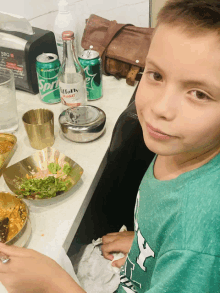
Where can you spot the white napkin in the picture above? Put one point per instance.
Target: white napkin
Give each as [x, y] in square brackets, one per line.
[95, 273]
[58, 254]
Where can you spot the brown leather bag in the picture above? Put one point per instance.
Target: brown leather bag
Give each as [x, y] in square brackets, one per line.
[122, 47]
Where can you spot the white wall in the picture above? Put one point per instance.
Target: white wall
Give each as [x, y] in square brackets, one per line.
[41, 13]
[156, 6]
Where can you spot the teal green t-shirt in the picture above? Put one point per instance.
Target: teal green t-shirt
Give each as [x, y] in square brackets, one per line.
[176, 247]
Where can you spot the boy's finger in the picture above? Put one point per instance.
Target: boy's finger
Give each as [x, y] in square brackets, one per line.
[114, 246]
[108, 256]
[106, 253]
[108, 239]
[113, 233]
[109, 248]
[118, 263]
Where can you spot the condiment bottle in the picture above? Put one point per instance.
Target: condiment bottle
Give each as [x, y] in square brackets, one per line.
[65, 20]
[71, 76]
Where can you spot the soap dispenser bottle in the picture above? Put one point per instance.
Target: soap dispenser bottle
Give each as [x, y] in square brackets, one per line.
[64, 21]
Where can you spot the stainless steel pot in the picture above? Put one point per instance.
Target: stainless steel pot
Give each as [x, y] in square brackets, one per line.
[83, 123]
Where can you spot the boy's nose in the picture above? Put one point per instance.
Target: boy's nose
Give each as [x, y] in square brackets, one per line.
[165, 105]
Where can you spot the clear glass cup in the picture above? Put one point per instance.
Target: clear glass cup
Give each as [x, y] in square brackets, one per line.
[8, 103]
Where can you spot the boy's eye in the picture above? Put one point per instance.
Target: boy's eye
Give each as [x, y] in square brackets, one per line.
[155, 76]
[200, 95]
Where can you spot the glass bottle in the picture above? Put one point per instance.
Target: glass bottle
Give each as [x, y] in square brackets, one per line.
[71, 76]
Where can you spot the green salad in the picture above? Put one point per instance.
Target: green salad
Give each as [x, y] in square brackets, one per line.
[46, 187]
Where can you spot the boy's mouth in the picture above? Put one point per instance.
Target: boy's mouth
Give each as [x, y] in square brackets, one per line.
[157, 133]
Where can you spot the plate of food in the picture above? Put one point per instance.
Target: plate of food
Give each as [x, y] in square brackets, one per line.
[44, 175]
[7, 149]
[15, 227]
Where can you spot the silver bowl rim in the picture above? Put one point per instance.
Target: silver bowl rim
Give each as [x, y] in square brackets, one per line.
[44, 199]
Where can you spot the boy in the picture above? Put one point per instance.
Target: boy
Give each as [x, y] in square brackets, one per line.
[175, 246]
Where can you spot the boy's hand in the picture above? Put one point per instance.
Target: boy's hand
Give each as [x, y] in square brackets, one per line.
[117, 242]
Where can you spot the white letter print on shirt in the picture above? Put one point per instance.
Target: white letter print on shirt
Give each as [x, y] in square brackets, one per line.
[135, 211]
[145, 250]
[127, 290]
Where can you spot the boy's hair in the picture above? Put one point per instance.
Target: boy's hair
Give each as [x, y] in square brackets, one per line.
[193, 16]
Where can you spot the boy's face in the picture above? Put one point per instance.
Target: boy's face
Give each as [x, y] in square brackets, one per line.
[179, 93]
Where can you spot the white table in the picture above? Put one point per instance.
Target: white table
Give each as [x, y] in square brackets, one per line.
[59, 221]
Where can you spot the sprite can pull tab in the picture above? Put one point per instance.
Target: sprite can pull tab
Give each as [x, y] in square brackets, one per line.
[47, 67]
[91, 63]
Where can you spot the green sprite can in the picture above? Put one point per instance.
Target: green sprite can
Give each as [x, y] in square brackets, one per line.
[91, 63]
[47, 67]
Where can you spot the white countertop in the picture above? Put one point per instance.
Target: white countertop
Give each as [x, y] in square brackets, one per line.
[59, 221]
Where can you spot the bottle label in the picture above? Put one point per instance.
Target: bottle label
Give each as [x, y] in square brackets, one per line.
[70, 94]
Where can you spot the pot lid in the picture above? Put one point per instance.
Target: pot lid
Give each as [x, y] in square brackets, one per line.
[82, 115]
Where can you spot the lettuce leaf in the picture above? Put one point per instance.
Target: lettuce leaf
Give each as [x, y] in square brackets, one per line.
[47, 187]
[53, 168]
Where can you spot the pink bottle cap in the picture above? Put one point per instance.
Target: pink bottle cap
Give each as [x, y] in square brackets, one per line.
[67, 35]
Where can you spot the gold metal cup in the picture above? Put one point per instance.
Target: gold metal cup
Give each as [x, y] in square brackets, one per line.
[39, 125]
